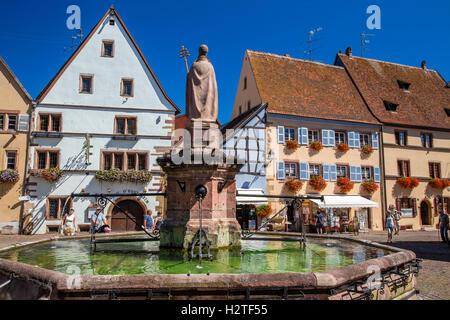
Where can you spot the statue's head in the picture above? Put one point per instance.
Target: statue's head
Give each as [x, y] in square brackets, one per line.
[203, 50]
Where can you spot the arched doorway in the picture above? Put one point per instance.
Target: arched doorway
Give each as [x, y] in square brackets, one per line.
[425, 213]
[120, 222]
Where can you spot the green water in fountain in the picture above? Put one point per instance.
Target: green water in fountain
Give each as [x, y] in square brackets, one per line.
[75, 257]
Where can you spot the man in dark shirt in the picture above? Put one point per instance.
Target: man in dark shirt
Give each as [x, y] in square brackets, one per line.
[443, 224]
[319, 222]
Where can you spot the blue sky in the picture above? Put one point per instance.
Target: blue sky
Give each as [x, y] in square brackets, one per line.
[33, 35]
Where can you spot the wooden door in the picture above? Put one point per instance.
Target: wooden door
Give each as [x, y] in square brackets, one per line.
[424, 213]
[120, 221]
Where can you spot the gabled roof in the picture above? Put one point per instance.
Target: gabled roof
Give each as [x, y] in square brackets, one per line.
[22, 90]
[80, 47]
[378, 81]
[243, 118]
[308, 89]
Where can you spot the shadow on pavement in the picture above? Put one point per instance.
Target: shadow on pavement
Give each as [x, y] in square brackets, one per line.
[429, 250]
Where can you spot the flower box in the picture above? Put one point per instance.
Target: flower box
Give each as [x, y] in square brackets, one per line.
[264, 210]
[343, 147]
[51, 174]
[8, 175]
[439, 183]
[344, 184]
[294, 185]
[316, 145]
[317, 183]
[367, 149]
[370, 186]
[115, 175]
[408, 182]
[291, 144]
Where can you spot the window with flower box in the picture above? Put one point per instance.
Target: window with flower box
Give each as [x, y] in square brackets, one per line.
[366, 173]
[290, 170]
[403, 168]
[314, 170]
[341, 171]
[313, 135]
[364, 139]
[124, 160]
[289, 134]
[46, 159]
[57, 207]
[339, 137]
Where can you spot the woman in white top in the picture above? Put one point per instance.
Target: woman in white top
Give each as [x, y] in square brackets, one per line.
[69, 223]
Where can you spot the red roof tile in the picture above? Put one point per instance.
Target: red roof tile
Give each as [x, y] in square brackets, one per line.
[377, 80]
[305, 88]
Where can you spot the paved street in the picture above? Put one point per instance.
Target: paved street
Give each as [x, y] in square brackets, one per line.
[433, 280]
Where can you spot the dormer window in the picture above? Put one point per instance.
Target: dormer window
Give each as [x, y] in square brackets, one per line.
[108, 48]
[403, 85]
[390, 106]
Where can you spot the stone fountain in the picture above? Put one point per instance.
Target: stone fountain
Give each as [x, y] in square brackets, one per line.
[200, 162]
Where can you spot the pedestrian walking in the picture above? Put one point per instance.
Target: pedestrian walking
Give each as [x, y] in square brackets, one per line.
[319, 223]
[355, 225]
[397, 217]
[68, 223]
[443, 226]
[390, 226]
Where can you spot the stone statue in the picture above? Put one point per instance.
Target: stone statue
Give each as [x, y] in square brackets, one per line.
[201, 89]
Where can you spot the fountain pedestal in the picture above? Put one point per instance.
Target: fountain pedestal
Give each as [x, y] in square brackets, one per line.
[218, 207]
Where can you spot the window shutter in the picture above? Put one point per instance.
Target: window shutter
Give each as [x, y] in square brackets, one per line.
[351, 139]
[414, 206]
[375, 140]
[358, 174]
[280, 134]
[331, 142]
[326, 172]
[398, 204]
[356, 143]
[280, 170]
[304, 171]
[325, 138]
[333, 172]
[376, 174]
[352, 173]
[24, 122]
[304, 136]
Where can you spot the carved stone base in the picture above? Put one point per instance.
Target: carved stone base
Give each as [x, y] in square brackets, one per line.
[218, 207]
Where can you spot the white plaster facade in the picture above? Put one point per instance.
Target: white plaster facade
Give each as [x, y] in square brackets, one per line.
[94, 115]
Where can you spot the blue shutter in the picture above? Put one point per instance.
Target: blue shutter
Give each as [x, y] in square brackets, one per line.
[351, 139]
[280, 170]
[325, 137]
[333, 172]
[358, 174]
[375, 140]
[357, 142]
[280, 134]
[304, 134]
[326, 172]
[304, 171]
[331, 142]
[376, 174]
[353, 173]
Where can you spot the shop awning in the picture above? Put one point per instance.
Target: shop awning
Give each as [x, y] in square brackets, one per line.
[345, 202]
[248, 196]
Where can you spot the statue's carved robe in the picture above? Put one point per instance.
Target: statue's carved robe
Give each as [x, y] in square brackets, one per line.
[201, 91]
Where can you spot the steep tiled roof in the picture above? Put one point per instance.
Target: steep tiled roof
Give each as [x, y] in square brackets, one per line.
[305, 88]
[377, 80]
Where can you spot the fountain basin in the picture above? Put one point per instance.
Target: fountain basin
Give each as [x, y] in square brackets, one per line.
[264, 270]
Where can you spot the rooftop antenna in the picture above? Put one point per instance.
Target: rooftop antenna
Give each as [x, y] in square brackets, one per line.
[183, 54]
[78, 36]
[364, 41]
[310, 41]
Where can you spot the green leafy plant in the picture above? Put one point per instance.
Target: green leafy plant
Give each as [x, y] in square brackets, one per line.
[115, 175]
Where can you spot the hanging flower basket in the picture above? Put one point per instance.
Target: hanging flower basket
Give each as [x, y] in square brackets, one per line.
[51, 174]
[370, 186]
[8, 175]
[317, 183]
[264, 210]
[316, 145]
[293, 185]
[439, 183]
[344, 184]
[115, 175]
[343, 147]
[408, 182]
[367, 149]
[291, 145]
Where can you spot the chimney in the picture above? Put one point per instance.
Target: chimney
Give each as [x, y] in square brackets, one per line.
[424, 65]
[348, 51]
